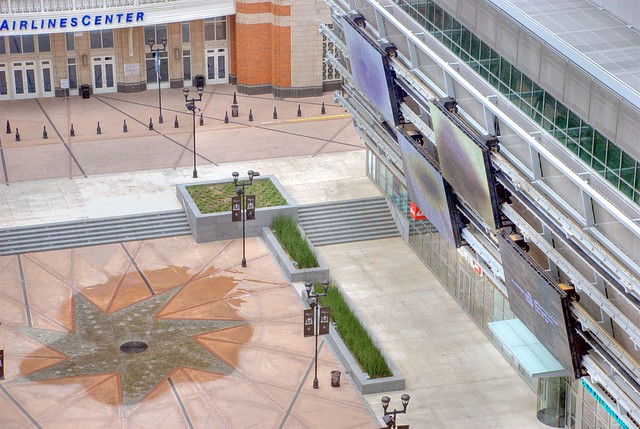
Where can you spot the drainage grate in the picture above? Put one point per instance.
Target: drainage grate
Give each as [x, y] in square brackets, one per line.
[133, 347]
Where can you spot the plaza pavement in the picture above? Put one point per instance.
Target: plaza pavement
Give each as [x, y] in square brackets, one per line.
[455, 376]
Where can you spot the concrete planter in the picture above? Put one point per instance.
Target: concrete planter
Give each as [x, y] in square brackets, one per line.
[292, 273]
[360, 380]
[218, 226]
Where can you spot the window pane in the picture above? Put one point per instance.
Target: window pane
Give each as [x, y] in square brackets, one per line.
[15, 44]
[107, 38]
[18, 81]
[209, 30]
[44, 45]
[28, 45]
[96, 39]
[613, 157]
[46, 79]
[186, 67]
[3, 50]
[149, 33]
[185, 32]
[73, 80]
[221, 29]
[3, 82]
[161, 32]
[71, 41]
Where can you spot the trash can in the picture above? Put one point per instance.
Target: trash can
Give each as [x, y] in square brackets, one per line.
[85, 91]
[199, 81]
[335, 378]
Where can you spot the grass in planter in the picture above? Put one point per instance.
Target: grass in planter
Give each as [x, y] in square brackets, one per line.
[297, 248]
[354, 335]
[214, 198]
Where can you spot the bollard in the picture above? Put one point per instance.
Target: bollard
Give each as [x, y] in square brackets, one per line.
[275, 113]
[250, 116]
[17, 135]
[226, 117]
[8, 127]
[98, 129]
[201, 120]
[322, 109]
[124, 126]
[335, 378]
[299, 111]
[44, 133]
[234, 98]
[72, 131]
[175, 123]
[150, 124]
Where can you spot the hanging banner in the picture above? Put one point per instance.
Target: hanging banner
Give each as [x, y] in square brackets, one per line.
[325, 317]
[308, 320]
[251, 207]
[236, 213]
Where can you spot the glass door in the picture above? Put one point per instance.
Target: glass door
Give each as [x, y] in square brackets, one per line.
[46, 77]
[217, 70]
[24, 80]
[4, 82]
[103, 75]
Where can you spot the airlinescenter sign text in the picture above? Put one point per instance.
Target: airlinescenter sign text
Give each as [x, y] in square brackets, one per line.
[79, 22]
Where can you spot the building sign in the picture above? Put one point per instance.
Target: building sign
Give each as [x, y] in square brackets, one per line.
[132, 69]
[78, 22]
[251, 207]
[308, 322]
[415, 212]
[603, 404]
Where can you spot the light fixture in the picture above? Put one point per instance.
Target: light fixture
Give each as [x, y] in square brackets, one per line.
[151, 42]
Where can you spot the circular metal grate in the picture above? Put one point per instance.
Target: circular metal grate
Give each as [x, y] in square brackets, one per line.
[133, 347]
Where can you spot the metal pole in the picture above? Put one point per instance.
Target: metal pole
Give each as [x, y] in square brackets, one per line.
[243, 209]
[195, 172]
[160, 120]
[316, 328]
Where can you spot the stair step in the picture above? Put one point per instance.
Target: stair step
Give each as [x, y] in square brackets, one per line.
[352, 240]
[341, 214]
[356, 202]
[346, 233]
[311, 232]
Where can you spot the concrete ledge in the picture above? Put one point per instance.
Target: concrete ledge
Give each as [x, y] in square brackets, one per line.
[360, 379]
[218, 226]
[292, 273]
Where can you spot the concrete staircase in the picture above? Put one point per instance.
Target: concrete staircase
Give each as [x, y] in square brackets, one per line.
[93, 231]
[346, 221]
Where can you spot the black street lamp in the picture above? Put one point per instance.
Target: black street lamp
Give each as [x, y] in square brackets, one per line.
[191, 107]
[151, 43]
[239, 188]
[314, 303]
[387, 418]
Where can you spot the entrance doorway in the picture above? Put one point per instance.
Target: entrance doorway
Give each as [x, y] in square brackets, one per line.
[103, 75]
[24, 79]
[217, 70]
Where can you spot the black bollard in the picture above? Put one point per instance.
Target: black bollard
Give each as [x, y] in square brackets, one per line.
[8, 127]
[150, 124]
[234, 98]
[17, 135]
[44, 133]
[72, 132]
[322, 109]
[175, 123]
[250, 116]
[98, 129]
[275, 113]
[201, 120]
[299, 111]
[226, 117]
[124, 126]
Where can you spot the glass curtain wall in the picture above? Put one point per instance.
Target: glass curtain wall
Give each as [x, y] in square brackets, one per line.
[601, 154]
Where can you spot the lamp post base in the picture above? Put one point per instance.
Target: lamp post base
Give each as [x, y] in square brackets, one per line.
[160, 119]
[244, 262]
[315, 383]
[195, 174]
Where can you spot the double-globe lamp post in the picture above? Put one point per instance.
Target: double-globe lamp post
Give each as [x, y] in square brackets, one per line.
[389, 417]
[191, 107]
[239, 188]
[314, 303]
[151, 43]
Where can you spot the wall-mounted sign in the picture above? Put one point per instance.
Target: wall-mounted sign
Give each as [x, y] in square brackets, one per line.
[79, 21]
[415, 212]
[132, 69]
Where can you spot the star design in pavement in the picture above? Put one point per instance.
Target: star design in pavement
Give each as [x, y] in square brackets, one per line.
[95, 346]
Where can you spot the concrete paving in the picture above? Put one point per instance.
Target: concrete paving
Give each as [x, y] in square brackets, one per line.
[454, 374]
